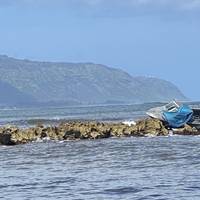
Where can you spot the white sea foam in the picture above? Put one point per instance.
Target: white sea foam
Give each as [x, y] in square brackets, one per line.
[38, 140]
[171, 133]
[129, 123]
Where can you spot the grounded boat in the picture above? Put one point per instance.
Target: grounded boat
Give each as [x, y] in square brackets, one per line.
[195, 120]
[175, 115]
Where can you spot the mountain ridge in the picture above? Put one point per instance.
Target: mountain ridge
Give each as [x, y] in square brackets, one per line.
[81, 83]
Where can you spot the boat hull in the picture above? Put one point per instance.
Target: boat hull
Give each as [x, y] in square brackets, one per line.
[179, 118]
[173, 114]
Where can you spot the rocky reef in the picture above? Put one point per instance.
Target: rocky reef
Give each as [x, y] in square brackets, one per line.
[10, 135]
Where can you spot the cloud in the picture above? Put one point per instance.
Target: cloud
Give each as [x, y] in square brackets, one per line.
[102, 7]
[179, 4]
[129, 8]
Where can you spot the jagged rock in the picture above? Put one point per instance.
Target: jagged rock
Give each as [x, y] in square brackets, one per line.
[186, 130]
[10, 135]
[151, 127]
[5, 139]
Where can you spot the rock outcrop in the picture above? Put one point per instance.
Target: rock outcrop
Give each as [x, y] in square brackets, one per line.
[10, 135]
[186, 130]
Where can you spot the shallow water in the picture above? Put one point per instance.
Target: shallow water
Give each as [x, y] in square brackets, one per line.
[158, 168]
[50, 115]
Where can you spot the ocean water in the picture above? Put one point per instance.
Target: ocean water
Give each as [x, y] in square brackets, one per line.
[49, 115]
[157, 168]
[160, 168]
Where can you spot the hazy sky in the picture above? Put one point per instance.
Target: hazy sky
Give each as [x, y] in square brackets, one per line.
[158, 38]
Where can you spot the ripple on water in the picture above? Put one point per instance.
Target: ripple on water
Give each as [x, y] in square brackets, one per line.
[122, 190]
[128, 168]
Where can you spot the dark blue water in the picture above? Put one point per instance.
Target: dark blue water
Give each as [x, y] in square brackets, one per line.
[159, 168]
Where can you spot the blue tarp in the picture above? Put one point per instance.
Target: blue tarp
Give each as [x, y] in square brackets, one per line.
[178, 118]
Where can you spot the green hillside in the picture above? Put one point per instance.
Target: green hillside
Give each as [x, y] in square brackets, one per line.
[84, 83]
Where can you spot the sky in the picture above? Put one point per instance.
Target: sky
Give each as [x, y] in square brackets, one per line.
[159, 38]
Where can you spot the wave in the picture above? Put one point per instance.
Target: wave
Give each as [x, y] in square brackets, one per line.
[129, 123]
